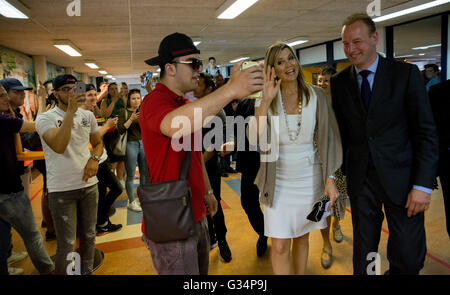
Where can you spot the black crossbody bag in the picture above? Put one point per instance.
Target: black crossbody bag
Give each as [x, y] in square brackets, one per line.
[167, 207]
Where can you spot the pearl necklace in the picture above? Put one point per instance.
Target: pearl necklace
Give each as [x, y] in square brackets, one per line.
[293, 134]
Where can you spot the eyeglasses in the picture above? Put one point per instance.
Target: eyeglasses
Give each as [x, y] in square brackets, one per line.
[195, 63]
[66, 89]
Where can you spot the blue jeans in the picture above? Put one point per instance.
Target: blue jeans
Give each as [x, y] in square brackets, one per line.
[135, 155]
[15, 210]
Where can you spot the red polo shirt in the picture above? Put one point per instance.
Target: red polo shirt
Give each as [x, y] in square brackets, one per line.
[163, 162]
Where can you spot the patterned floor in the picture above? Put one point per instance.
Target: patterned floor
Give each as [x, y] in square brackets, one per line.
[125, 253]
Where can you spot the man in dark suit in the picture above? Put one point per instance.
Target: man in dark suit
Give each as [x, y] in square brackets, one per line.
[440, 104]
[390, 149]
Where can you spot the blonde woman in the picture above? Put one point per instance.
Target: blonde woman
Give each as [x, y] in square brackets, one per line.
[309, 154]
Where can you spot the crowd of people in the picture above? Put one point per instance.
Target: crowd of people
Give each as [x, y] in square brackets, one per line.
[366, 134]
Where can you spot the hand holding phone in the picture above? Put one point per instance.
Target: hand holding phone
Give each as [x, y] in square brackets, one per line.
[80, 88]
[147, 77]
[249, 64]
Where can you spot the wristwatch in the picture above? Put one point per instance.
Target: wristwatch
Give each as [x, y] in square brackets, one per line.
[95, 157]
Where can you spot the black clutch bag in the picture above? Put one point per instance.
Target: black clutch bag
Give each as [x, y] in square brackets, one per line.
[318, 210]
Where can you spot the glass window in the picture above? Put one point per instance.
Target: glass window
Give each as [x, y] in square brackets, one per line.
[419, 42]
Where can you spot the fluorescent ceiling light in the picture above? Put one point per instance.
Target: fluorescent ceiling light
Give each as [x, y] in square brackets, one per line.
[103, 72]
[109, 76]
[238, 59]
[197, 42]
[403, 56]
[426, 47]
[92, 65]
[232, 8]
[295, 43]
[421, 54]
[68, 50]
[158, 70]
[114, 79]
[67, 47]
[411, 10]
[12, 10]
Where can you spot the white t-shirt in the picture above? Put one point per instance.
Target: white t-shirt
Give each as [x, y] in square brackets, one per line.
[65, 171]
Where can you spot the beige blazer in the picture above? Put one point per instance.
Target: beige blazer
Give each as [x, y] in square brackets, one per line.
[328, 146]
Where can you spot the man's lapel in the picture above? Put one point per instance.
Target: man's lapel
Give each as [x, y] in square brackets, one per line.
[380, 83]
[355, 92]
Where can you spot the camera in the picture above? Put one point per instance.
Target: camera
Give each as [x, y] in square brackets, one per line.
[80, 88]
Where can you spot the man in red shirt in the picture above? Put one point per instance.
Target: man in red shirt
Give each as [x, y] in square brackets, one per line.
[161, 112]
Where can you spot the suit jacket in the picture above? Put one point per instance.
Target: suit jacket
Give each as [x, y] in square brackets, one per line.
[440, 104]
[397, 129]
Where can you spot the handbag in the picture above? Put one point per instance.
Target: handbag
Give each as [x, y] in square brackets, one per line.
[167, 207]
[318, 209]
[120, 148]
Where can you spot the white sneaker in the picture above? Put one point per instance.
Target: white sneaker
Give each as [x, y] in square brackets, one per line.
[134, 206]
[16, 257]
[14, 271]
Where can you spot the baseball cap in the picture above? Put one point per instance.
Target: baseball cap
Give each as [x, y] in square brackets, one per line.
[48, 82]
[90, 87]
[63, 80]
[173, 46]
[11, 83]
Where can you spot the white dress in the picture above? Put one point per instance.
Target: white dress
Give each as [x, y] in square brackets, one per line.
[298, 180]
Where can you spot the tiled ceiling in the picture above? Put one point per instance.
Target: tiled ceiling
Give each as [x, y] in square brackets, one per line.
[120, 34]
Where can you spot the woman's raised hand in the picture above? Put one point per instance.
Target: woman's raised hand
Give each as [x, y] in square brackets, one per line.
[271, 86]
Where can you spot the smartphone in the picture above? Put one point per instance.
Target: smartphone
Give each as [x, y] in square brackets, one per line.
[249, 64]
[80, 87]
[148, 75]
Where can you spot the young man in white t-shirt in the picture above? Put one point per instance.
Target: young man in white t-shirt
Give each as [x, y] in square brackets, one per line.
[66, 132]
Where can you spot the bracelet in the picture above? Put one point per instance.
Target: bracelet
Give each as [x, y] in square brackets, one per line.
[210, 192]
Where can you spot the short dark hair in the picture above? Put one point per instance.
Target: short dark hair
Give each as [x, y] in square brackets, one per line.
[163, 68]
[209, 80]
[327, 70]
[212, 57]
[130, 93]
[434, 66]
[364, 17]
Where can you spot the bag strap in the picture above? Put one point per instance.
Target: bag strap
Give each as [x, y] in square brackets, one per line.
[184, 172]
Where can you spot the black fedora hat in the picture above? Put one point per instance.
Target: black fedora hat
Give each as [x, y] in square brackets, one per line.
[173, 46]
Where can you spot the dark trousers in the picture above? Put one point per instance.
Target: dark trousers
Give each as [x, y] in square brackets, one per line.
[216, 224]
[106, 179]
[225, 162]
[248, 165]
[46, 214]
[406, 247]
[444, 176]
[445, 183]
[5, 246]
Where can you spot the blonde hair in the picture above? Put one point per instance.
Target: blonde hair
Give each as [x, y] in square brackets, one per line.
[272, 53]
